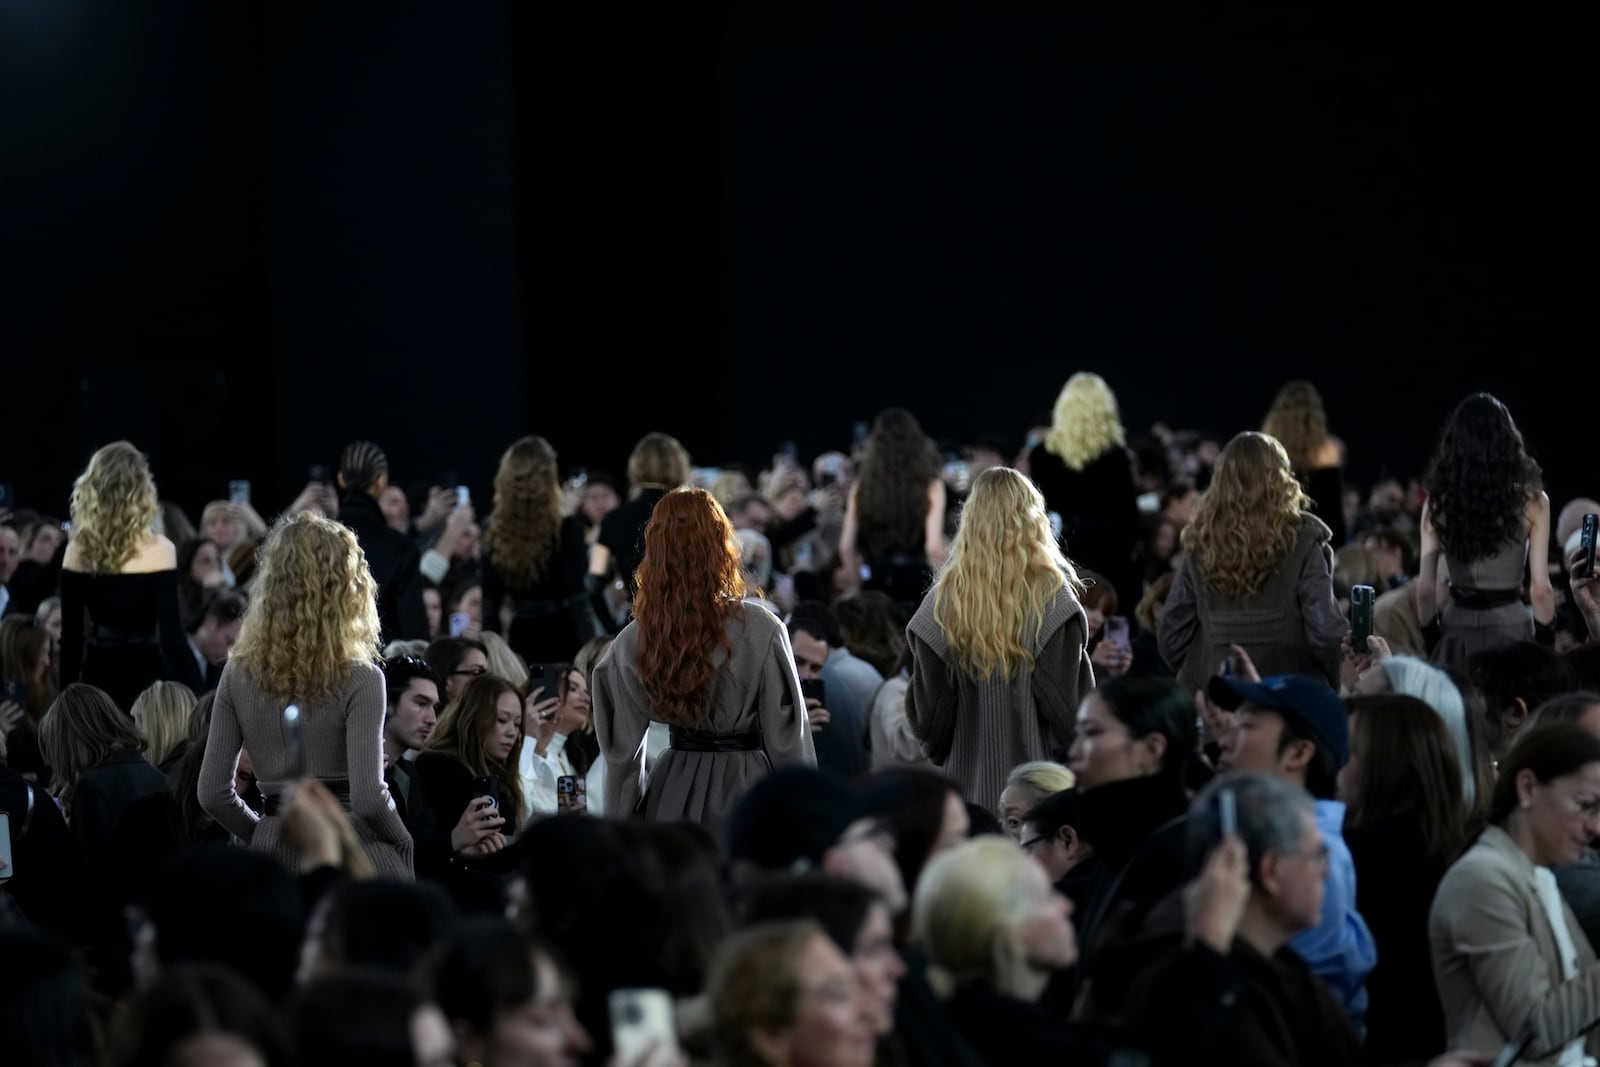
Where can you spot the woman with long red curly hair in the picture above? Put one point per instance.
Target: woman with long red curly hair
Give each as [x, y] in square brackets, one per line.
[719, 672]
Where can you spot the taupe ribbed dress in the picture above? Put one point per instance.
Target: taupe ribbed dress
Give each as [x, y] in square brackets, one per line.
[343, 739]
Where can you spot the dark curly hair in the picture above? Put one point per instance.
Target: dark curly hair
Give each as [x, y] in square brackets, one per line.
[1480, 480]
[892, 490]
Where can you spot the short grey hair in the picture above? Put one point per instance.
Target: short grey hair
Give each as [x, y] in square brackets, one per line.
[1269, 809]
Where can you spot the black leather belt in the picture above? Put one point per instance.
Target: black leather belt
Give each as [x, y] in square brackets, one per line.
[1483, 599]
[274, 792]
[706, 741]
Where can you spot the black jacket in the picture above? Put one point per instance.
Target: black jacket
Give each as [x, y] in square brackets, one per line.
[394, 560]
[43, 880]
[1137, 829]
[1006, 1032]
[1396, 880]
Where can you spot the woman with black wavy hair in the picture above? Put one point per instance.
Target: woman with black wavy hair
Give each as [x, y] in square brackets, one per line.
[1487, 519]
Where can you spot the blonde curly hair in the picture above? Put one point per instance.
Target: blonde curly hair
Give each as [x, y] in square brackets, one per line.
[524, 530]
[114, 508]
[1085, 423]
[313, 611]
[1004, 571]
[1249, 517]
[1299, 422]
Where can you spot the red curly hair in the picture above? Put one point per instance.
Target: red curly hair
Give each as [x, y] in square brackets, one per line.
[690, 584]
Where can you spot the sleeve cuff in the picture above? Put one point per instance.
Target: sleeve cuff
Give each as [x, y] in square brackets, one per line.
[434, 566]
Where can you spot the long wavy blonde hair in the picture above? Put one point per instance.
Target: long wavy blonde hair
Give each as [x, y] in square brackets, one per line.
[313, 611]
[114, 508]
[1299, 422]
[523, 531]
[1249, 518]
[1086, 423]
[1003, 574]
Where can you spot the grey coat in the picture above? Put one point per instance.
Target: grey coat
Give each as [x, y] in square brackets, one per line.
[1292, 625]
[755, 689]
[978, 730]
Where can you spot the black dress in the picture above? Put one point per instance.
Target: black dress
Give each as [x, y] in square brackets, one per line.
[120, 633]
[1099, 509]
[622, 533]
[553, 617]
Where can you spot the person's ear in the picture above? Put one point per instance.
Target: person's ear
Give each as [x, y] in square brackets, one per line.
[1267, 873]
[379, 484]
[1297, 756]
[1156, 746]
[340, 479]
[1526, 780]
[1516, 714]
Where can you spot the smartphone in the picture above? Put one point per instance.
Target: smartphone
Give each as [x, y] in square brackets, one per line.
[459, 623]
[1513, 1051]
[546, 676]
[1117, 631]
[8, 866]
[859, 434]
[486, 785]
[1227, 813]
[239, 492]
[642, 1022]
[1229, 667]
[293, 744]
[813, 689]
[1591, 526]
[572, 794]
[1361, 600]
[320, 475]
[463, 497]
[16, 693]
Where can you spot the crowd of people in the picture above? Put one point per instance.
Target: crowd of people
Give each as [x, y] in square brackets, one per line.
[1111, 749]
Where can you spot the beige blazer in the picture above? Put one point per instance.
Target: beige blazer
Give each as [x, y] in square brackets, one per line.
[1495, 960]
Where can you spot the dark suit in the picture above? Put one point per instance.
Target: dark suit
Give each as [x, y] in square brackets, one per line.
[394, 560]
[43, 881]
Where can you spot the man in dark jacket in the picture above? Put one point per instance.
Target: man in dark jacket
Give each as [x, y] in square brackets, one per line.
[392, 556]
[1215, 981]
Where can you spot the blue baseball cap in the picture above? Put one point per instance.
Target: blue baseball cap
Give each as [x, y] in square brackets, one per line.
[1306, 701]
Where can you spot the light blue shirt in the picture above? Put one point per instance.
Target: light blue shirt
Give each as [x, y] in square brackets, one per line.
[1339, 949]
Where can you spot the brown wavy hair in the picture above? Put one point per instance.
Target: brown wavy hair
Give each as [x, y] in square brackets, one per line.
[658, 459]
[1299, 422]
[1249, 518]
[690, 584]
[524, 531]
[892, 489]
[459, 733]
[313, 611]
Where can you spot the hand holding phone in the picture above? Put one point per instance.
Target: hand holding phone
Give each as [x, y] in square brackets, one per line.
[1362, 598]
[1117, 631]
[486, 785]
[239, 492]
[1586, 540]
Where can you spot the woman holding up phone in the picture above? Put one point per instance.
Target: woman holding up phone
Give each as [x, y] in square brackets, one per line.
[310, 638]
[474, 752]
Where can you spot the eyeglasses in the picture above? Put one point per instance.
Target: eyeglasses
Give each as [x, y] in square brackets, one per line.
[470, 672]
[1027, 846]
[1320, 854]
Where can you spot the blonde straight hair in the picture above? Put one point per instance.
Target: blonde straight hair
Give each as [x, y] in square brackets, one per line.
[161, 713]
[1004, 572]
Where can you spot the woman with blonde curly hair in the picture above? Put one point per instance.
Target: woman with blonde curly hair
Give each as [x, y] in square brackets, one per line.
[718, 671]
[1086, 473]
[1257, 572]
[998, 663]
[310, 638]
[535, 560]
[1300, 423]
[120, 624]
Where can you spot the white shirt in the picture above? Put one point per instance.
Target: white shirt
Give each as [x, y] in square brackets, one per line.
[1544, 883]
[539, 774]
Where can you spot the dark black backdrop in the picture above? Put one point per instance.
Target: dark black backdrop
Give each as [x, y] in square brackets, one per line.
[242, 234]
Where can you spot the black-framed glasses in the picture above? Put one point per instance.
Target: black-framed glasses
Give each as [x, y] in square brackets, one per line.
[470, 672]
[1027, 846]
